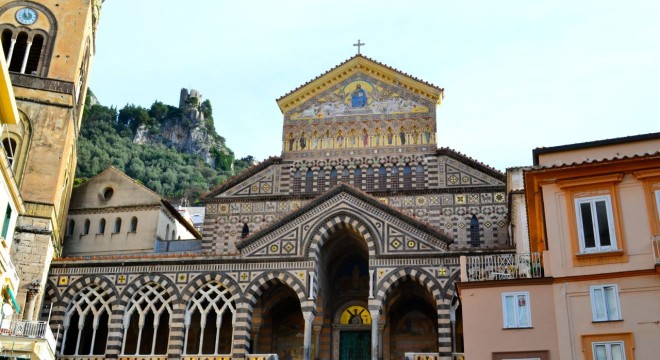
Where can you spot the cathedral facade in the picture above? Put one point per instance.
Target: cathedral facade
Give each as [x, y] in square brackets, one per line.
[346, 246]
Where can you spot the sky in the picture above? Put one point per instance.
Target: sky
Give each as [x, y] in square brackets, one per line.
[517, 74]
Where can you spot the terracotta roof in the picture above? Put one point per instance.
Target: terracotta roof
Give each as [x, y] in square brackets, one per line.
[366, 58]
[471, 161]
[605, 142]
[596, 161]
[238, 178]
[343, 187]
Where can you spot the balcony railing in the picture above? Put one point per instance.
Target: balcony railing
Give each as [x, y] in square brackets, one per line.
[655, 241]
[421, 356]
[503, 266]
[261, 357]
[30, 329]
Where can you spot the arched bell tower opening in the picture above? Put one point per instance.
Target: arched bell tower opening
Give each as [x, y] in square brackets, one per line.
[343, 296]
[412, 321]
[277, 324]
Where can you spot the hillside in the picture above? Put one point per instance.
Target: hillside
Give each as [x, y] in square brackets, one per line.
[139, 142]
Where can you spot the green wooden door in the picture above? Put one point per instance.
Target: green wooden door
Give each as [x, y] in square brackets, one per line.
[354, 345]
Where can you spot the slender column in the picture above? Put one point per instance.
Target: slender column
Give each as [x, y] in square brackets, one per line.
[11, 51]
[311, 286]
[317, 341]
[375, 315]
[25, 57]
[371, 283]
[307, 340]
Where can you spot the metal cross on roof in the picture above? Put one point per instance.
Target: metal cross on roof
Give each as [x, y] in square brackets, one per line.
[358, 45]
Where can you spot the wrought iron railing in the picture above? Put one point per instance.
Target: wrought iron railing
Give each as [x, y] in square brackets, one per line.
[30, 329]
[655, 241]
[504, 266]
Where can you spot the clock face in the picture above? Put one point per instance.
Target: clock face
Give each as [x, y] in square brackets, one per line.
[26, 16]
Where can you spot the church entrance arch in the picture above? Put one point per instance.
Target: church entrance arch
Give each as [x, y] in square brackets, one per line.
[277, 323]
[412, 321]
[343, 295]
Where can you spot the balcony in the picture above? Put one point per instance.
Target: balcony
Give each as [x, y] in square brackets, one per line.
[26, 338]
[501, 267]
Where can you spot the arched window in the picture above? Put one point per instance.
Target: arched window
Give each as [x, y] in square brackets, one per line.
[370, 178]
[6, 41]
[173, 235]
[419, 176]
[18, 52]
[147, 321]
[320, 183]
[134, 222]
[70, 227]
[333, 177]
[394, 179]
[296, 182]
[344, 175]
[382, 178]
[309, 181]
[117, 225]
[475, 238]
[85, 230]
[86, 322]
[246, 230]
[102, 226]
[9, 145]
[407, 177]
[167, 231]
[208, 321]
[357, 177]
[34, 56]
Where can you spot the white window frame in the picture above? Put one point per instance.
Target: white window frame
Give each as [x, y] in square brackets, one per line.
[592, 200]
[601, 301]
[518, 321]
[657, 202]
[608, 348]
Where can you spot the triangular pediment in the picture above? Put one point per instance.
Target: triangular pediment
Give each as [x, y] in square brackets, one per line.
[393, 232]
[360, 86]
[112, 188]
[459, 170]
[260, 179]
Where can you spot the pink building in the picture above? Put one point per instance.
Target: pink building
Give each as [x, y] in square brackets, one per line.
[590, 286]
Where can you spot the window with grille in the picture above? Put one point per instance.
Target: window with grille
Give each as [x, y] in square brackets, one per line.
[320, 182]
[296, 182]
[208, 321]
[382, 178]
[344, 175]
[475, 237]
[357, 178]
[407, 177]
[394, 179]
[370, 178]
[333, 177]
[309, 181]
[419, 176]
[86, 322]
[146, 321]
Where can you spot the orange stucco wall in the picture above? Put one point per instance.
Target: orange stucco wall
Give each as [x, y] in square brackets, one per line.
[483, 322]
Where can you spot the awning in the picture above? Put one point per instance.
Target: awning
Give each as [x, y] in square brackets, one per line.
[13, 300]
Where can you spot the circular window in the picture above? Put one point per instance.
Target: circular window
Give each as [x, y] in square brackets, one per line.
[107, 193]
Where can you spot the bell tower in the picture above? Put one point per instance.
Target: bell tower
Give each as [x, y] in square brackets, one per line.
[49, 46]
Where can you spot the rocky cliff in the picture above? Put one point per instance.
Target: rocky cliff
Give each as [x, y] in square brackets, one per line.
[192, 132]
